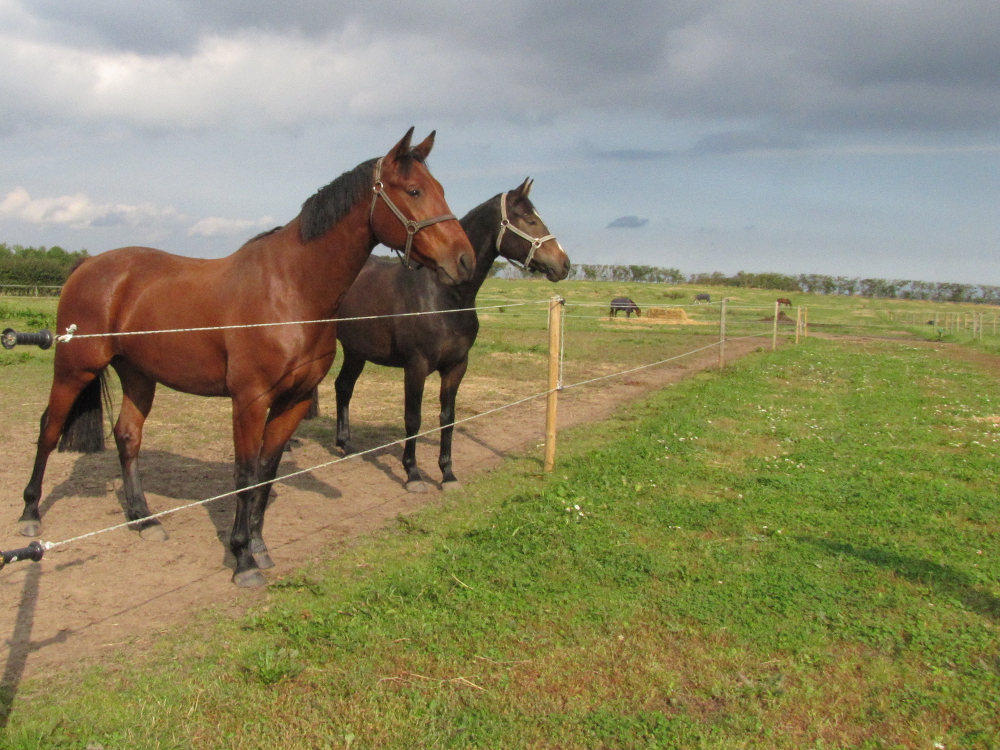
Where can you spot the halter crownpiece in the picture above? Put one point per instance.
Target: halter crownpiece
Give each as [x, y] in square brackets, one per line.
[536, 242]
[411, 226]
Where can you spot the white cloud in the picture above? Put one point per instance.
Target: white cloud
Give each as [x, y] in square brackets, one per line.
[215, 226]
[78, 211]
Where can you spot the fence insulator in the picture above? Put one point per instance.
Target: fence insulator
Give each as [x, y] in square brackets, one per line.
[33, 551]
[11, 338]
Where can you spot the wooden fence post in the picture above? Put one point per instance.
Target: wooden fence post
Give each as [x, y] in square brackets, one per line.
[722, 334]
[798, 324]
[774, 332]
[555, 355]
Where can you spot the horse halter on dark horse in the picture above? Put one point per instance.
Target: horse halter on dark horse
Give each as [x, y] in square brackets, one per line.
[411, 226]
[536, 242]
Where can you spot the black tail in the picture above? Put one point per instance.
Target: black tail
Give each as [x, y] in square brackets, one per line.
[84, 428]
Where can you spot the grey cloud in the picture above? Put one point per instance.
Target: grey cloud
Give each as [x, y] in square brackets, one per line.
[628, 222]
[824, 65]
[634, 154]
[732, 142]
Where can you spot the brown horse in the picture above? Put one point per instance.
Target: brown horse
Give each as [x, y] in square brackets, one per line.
[298, 272]
[783, 302]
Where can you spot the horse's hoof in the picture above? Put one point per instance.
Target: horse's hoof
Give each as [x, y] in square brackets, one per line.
[263, 560]
[417, 485]
[154, 532]
[249, 579]
[30, 528]
[454, 484]
[346, 447]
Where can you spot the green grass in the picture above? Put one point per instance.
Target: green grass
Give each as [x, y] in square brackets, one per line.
[798, 552]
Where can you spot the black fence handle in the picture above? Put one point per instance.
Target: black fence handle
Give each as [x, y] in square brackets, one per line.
[34, 551]
[11, 338]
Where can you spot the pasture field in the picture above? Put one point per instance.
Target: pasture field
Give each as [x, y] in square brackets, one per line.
[800, 551]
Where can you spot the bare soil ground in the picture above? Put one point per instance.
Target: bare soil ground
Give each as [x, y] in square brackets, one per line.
[91, 598]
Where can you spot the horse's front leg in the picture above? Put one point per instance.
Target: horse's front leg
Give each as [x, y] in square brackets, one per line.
[413, 387]
[350, 371]
[281, 425]
[450, 381]
[249, 415]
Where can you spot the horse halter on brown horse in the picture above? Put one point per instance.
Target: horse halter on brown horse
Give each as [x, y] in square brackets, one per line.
[536, 242]
[411, 226]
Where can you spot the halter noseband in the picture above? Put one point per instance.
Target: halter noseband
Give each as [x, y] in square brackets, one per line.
[536, 242]
[411, 226]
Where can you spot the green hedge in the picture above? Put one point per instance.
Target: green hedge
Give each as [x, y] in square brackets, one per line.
[36, 265]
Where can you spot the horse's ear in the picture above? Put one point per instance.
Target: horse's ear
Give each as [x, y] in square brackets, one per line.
[402, 149]
[525, 188]
[422, 149]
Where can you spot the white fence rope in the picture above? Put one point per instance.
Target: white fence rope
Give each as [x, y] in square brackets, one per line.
[51, 545]
[560, 386]
[71, 331]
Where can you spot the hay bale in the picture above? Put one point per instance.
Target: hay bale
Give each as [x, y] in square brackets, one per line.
[669, 314]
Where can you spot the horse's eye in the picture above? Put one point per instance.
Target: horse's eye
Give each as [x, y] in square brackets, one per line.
[414, 193]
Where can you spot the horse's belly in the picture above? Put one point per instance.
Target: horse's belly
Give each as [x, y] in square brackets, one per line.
[185, 365]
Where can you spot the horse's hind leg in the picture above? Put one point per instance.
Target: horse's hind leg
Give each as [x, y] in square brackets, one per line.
[62, 396]
[350, 371]
[450, 381]
[138, 391]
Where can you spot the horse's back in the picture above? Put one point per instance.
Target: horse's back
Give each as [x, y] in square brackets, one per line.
[135, 288]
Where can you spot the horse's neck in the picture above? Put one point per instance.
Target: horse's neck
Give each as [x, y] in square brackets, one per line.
[481, 225]
[323, 269]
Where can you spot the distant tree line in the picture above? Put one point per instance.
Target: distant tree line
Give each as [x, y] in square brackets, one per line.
[587, 272]
[853, 285]
[43, 266]
[36, 266]
[806, 282]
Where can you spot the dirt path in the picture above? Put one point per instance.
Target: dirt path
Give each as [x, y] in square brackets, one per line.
[91, 598]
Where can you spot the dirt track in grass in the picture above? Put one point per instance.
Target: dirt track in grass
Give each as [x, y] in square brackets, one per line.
[89, 599]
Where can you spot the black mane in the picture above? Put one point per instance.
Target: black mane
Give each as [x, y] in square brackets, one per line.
[331, 203]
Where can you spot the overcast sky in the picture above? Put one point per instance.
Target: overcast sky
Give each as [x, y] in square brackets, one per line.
[847, 137]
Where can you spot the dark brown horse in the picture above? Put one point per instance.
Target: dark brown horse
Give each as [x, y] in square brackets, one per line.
[298, 272]
[506, 225]
[625, 305]
[783, 302]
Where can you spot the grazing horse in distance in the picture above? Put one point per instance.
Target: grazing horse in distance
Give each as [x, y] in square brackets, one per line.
[298, 272]
[703, 297]
[625, 305]
[783, 302]
[506, 225]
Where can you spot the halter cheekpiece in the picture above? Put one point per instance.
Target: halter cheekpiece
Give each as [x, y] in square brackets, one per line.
[536, 242]
[411, 226]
